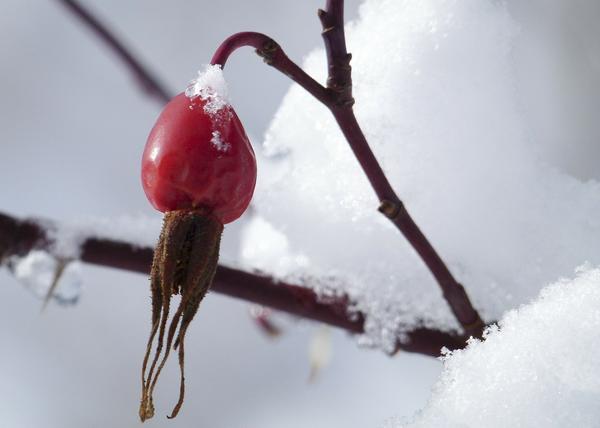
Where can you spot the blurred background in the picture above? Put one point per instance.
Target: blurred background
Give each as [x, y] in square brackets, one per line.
[73, 123]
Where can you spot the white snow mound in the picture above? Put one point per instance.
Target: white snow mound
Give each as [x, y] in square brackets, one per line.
[538, 368]
[435, 93]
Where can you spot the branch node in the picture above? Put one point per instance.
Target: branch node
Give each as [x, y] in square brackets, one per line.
[267, 51]
[391, 209]
[477, 325]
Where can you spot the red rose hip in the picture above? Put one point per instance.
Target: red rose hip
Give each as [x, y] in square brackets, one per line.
[199, 169]
[197, 159]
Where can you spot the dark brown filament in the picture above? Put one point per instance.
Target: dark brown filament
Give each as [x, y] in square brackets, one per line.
[185, 262]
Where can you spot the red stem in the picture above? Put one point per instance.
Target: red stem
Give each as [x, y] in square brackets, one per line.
[236, 41]
[273, 55]
[18, 237]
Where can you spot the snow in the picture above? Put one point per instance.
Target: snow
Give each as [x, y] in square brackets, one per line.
[436, 94]
[67, 237]
[37, 270]
[211, 87]
[218, 143]
[538, 367]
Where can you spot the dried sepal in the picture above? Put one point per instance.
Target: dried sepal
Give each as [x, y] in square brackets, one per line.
[184, 263]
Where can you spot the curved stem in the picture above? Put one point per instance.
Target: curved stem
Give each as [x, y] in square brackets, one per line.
[273, 55]
[238, 40]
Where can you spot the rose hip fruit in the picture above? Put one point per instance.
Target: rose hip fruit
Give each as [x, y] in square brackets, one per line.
[199, 169]
[194, 159]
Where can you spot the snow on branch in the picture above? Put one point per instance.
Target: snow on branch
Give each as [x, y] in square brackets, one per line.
[19, 237]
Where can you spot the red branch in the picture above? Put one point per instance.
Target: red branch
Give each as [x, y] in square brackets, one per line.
[18, 237]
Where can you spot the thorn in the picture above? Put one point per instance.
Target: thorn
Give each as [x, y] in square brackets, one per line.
[61, 264]
[322, 17]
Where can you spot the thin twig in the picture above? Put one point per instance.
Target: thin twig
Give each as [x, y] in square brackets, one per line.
[143, 75]
[18, 237]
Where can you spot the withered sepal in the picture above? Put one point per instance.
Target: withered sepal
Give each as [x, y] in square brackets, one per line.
[185, 261]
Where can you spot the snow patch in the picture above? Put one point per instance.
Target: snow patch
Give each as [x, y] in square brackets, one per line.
[218, 143]
[211, 87]
[539, 366]
[67, 237]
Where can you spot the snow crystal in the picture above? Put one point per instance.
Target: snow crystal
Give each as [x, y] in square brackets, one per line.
[37, 271]
[435, 93]
[537, 368]
[218, 143]
[211, 87]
